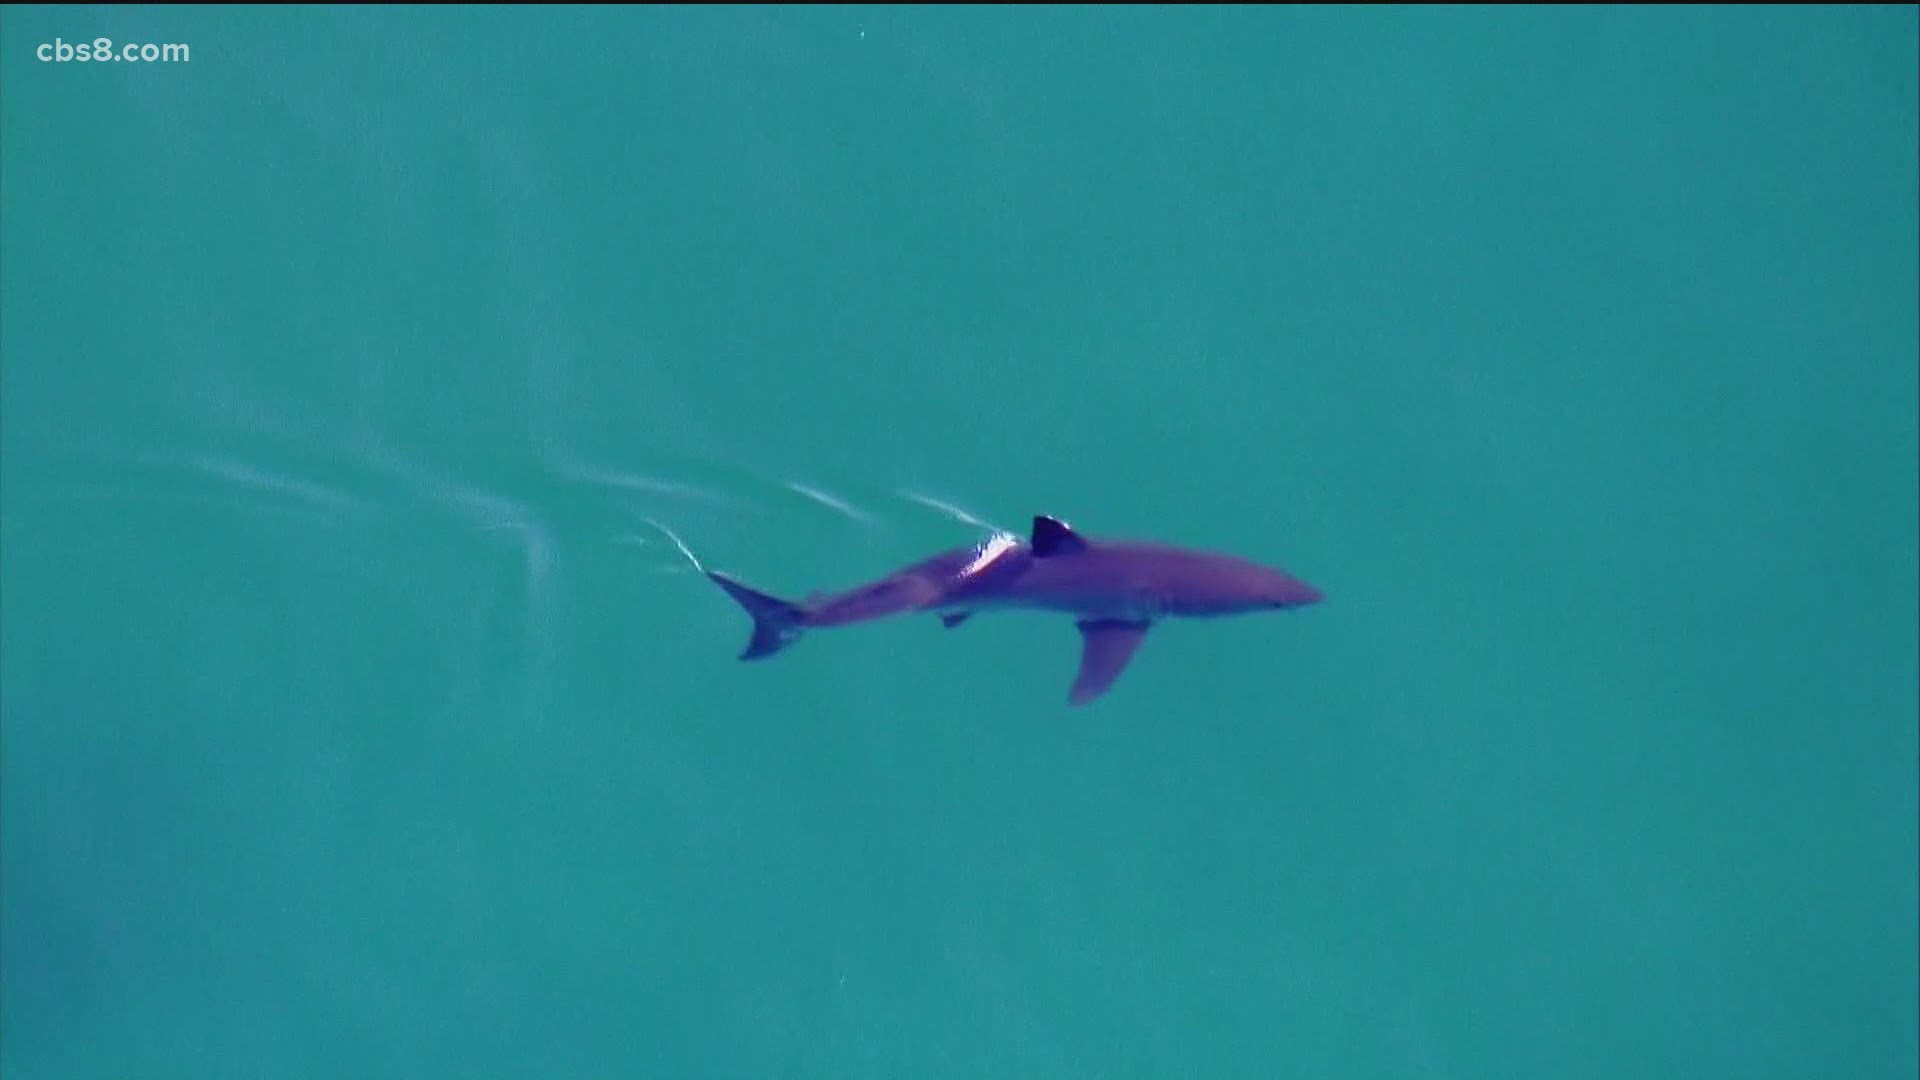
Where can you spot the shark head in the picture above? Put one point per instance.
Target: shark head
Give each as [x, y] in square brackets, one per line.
[1280, 589]
[1155, 580]
[1226, 585]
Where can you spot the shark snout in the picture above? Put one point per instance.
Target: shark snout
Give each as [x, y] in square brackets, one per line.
[1295, 593]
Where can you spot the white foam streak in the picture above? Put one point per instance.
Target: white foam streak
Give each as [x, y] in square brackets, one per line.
[949, 510]
[830, 502]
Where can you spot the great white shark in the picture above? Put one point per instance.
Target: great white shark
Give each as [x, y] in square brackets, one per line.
[1115, 590]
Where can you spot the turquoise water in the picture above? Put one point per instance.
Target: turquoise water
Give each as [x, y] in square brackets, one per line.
[357, 724]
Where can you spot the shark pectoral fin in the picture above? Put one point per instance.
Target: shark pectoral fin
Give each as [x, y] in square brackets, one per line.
[955, 619]
[1107, 646]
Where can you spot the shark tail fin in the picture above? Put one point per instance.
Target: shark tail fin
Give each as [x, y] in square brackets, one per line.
[776, 623]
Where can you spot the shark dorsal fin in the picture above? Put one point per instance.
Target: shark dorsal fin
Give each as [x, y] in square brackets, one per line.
[1051, 536]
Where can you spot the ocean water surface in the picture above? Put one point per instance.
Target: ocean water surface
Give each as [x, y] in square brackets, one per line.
[357, 717]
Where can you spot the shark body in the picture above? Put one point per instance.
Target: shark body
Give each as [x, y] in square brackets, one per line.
[1115, 591]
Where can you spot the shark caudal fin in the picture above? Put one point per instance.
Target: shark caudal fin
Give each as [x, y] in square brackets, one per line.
[776, 623]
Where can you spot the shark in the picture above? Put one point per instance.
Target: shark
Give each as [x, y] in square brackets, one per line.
[1115, 591]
